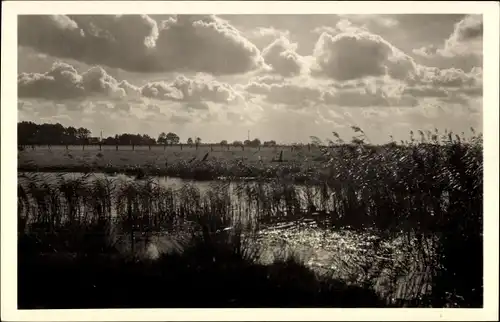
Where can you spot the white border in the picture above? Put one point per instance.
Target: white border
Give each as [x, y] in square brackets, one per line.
[10, 10]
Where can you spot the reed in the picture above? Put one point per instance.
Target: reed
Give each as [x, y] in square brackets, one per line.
[424, 196]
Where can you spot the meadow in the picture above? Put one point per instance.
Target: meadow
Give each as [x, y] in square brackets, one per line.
[206, 162]
[392, 225]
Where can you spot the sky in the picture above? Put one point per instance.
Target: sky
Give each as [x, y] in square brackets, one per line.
[281, 77]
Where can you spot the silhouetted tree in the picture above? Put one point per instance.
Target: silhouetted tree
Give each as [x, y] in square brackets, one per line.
[32, 133]
[83, 134]
[255, 142]
[270, 143]
[162, 138]
[172, 138]
[189, 141]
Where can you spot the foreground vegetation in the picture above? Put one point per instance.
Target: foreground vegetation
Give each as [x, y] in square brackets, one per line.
[89, 241]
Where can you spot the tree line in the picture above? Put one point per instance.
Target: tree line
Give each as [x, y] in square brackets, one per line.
[29, 133]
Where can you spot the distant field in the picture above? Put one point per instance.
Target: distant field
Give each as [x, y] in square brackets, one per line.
[167, 160]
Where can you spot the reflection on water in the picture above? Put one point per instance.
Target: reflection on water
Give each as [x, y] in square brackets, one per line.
[343, 254]
[243, 194]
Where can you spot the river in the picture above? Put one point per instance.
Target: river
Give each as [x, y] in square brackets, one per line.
[340, 252]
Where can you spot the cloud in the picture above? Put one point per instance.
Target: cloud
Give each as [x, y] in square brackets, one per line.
[183, 89]
[63, 81]
[282, 57]
[138, 43]
[205, 44]
[451, 77]
[153, 108]
[305, 93]
[465, 40]
[426, 91]
[369, 92]
[426, 51]
[452, 80]
[352, 55]
[197, 106]
[343, 25]
[372, 20]
[161, 91]
[180, 119]
[467, 37]
[51, 34]
[263, 36]
[291, 94]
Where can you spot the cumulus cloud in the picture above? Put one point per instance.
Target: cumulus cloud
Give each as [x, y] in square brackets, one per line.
[451, 80]
[263, 36]
[138, 43]
[426, 51]
[375, 92]
[282, 57]
[467, 37]
[51, 34]
[206, 44]
[63, 81]
[191, 90]
[451, 77]
[466, 40]
[292, 94]
[369, 92]
[343, 25]
[352, 55]
[161, 91]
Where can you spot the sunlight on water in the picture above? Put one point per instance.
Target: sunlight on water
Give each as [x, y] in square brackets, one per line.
[341, 254]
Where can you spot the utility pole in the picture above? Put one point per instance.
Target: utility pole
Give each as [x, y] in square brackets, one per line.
[248, 135]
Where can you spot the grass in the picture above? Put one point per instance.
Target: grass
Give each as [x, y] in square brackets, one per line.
[185, 163]
[421, 203]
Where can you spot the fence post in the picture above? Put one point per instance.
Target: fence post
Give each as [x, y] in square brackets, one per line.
[309, 147]
[133, 147]
[100, 147]
[164, 146]
[211, 148]
[181, 146]
[242, 148]
[117, 147]
[83, 147]
[150, 147]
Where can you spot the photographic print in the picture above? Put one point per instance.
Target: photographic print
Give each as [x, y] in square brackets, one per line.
[269, 160]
